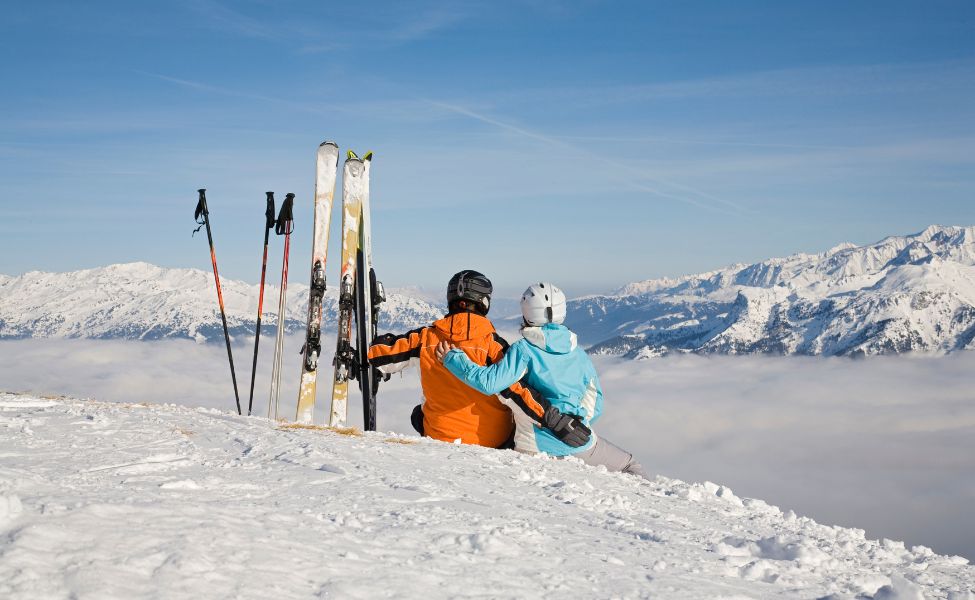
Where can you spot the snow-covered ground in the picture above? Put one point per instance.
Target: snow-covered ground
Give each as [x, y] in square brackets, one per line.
[132, 500]
[886, 445]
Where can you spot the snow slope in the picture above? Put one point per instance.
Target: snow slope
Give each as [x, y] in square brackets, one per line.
[133, 500]
[143, 301]
[902, 294]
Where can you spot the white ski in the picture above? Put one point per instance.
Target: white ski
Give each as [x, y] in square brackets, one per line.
[328, 154]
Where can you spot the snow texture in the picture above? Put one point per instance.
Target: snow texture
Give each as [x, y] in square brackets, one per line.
[115, 500]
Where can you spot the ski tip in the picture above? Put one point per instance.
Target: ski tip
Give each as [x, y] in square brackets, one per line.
[328, 143]
[368, 156]
[350, 155]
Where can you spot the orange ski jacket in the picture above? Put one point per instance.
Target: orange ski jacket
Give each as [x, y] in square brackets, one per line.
[453, 410]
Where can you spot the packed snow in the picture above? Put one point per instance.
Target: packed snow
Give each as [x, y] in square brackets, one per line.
[131, 500]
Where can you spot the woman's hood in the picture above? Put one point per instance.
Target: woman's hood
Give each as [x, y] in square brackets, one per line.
[553, 338]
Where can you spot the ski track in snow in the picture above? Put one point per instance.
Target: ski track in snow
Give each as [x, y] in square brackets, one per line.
[114, 500]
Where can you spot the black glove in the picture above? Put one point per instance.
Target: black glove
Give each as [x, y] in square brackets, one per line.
[568, 428]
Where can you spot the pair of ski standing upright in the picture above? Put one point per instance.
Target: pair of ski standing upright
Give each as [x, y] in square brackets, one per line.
[360, 294]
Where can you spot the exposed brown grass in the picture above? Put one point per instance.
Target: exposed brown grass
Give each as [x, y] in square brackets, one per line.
[349, 431]
[404, 441]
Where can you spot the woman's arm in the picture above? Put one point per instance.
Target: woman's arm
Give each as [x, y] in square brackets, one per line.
[487, 380]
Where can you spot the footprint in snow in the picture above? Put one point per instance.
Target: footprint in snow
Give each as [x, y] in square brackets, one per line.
[182, 484]
[160, 462]
[10, 508]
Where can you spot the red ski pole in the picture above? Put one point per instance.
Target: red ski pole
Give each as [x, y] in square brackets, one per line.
[201, 211]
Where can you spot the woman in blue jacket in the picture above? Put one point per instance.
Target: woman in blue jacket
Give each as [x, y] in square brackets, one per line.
[548, 360]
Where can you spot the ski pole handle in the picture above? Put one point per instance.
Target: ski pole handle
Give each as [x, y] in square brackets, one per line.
[286, 216]
[269, 213]
[201, 206]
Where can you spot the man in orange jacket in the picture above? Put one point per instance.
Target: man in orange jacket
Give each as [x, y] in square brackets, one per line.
[452, 410]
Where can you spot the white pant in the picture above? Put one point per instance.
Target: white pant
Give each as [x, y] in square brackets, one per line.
[612, 457]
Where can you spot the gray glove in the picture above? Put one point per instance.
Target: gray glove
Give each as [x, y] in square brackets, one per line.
[567, 428]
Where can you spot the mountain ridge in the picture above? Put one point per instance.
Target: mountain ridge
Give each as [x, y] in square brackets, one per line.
[143, 301]
[912, 293]
[902, 294]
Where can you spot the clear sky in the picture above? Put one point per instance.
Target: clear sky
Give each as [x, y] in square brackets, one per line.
[591, 143]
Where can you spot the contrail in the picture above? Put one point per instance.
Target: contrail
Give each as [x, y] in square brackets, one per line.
[325, 109]
[554, 141]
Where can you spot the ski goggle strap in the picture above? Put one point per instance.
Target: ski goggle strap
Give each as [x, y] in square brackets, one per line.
[476, 285]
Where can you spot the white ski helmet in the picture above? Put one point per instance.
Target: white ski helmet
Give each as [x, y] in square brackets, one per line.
[543, 303]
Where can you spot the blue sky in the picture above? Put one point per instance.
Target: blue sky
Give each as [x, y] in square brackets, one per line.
[590, 143]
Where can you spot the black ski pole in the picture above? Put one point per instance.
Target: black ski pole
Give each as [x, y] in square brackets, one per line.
[268, 226]
[201, 211]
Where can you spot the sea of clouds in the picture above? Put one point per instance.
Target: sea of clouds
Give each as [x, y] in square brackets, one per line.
[886, 444]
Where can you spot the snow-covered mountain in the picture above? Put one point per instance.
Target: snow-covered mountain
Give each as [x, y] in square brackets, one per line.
[166, 501]
[901, 294]
[143, 301]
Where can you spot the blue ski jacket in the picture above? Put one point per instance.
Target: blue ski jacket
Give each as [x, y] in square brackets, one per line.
[549, 361]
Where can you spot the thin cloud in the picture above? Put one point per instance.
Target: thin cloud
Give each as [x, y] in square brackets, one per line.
[226, 19]
[959, 151]
[634, 177]
[699, 142]
[322, 47]
[319, 108]
[407, 25]
[426, 24]
[850, 80]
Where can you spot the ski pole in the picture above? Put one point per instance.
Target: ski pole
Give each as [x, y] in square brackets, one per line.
[201, 211]
[285, 225]
[268, 226]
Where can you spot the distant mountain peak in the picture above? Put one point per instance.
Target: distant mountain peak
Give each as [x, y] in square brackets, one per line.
[140, 300]
[839, 248]
[911, 293]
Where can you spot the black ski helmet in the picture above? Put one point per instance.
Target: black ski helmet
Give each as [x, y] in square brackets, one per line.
[471, 286]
